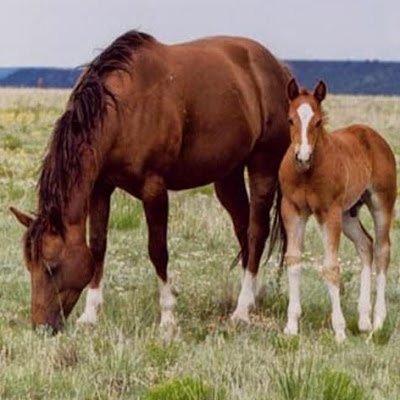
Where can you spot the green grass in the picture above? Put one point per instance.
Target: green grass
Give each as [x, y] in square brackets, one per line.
[124, 357]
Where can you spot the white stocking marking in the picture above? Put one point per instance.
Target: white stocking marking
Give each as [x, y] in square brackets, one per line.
[246, 298]
[167, 304]
[294, 309]
[94, 300]
[338, 321]
[380, 305]
[364, 304]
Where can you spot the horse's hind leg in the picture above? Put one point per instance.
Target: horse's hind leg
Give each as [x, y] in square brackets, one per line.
[231, 192]
[99, 210]
[354, 230]
[381, 206]
[262, 170]
[155, 203]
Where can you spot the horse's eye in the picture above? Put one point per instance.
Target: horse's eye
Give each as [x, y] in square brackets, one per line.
[318, 123]
[51, 267]
[290, 121]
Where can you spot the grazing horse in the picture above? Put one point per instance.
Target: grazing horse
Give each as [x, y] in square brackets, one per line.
[147, 118]
[331, 175]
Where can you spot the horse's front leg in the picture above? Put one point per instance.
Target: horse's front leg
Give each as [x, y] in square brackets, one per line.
[98, 220]
[155, 203]
[331, 227]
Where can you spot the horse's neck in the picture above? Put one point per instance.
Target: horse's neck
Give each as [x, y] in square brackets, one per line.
[77, 209]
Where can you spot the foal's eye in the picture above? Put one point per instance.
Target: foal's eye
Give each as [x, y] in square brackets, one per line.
[290, 121]
[318, 123]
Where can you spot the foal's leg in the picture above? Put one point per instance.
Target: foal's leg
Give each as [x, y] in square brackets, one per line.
[353, 229]
[381, 207]
[155, 203]
[331, 228]
[263, 180]
[295, 226]
[98, 220]
[231, 192]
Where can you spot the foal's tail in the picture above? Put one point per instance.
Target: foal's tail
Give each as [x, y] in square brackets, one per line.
[277, 237]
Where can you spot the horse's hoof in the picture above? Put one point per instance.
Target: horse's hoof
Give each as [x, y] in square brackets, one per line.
[87, 319]
[168, 332]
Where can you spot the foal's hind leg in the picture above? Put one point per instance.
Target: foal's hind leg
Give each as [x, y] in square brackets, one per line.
[231, 192]
[98, 220]
[381, 207]
[155, 203]
[354, 230]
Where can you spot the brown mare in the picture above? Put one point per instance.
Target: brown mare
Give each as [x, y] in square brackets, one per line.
[147, 118]
[331, 175]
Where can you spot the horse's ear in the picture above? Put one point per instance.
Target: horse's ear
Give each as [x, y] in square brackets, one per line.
[320, 91]
[23, 218]
[292, 89]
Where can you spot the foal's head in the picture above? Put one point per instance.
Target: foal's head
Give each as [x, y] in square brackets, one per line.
[306, 120]
[60, 267]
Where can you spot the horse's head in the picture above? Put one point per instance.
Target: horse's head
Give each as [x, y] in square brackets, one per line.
[306, 120]
[60, 267]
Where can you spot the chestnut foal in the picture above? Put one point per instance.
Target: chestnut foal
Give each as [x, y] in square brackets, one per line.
[331, 175]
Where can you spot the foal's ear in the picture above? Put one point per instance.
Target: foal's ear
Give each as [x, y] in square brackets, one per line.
[292, 89]
[320, 91]
[23, 218]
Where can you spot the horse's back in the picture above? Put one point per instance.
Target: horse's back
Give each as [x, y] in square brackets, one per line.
[198, 109]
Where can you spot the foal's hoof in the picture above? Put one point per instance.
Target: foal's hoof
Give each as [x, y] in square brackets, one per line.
[378, 323]
[290, 330]
[364, 325]
[240, 316]
[168, 332]
[340, 337]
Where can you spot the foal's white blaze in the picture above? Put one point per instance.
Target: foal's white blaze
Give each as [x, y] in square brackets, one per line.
[246, 298]
[305, 114]
[167, 304]
[294, 309]
[380, 305]
[94, 300]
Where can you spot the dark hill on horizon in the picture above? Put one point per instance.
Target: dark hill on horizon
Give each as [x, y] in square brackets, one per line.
[342, 77]
[41, 77]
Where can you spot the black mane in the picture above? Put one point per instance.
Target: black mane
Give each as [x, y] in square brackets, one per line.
[86, 109]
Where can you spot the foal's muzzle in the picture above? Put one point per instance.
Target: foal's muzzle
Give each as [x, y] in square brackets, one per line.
[302, 164]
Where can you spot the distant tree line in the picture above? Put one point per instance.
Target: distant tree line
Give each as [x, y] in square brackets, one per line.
[346, 77]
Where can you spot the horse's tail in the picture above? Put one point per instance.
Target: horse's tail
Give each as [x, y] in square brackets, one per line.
[277, 237]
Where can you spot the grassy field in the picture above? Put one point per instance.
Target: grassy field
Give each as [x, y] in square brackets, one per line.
[123, 356]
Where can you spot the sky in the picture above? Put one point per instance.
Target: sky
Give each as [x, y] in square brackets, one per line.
[69, 33]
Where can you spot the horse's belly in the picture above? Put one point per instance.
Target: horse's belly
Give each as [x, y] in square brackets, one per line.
[209, 158]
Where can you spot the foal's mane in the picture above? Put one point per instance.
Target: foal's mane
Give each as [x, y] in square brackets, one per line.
[86, 109]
